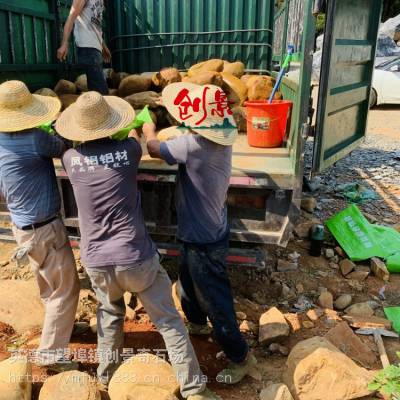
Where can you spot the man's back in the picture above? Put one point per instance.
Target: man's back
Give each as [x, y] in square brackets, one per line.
[204, 173]
[27, 176]
[103, 175]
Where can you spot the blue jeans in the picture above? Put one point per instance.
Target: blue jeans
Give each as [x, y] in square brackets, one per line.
[206, 292]
[91, 61]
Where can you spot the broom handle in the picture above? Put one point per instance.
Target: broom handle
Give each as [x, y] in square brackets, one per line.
[382, 351]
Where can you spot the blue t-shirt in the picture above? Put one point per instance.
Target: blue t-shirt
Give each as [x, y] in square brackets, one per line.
[103, 174]
[27, 177]
[202, 186]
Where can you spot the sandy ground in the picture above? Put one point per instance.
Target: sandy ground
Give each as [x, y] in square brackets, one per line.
[385, 120]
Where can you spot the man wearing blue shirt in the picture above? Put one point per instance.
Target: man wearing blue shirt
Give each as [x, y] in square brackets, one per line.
[28, 183]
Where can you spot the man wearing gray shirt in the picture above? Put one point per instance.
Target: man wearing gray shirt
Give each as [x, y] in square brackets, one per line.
[85, 19]
[203, 152]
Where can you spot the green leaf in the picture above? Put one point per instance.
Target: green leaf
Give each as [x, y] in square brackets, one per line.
[374, 386]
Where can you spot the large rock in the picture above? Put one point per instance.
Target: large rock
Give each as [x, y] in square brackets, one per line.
[273, 326]
[150, 393]
[379, 269]
[64, 87]
[68, 99]
[360, 310]
[235, 68]
[350, 344]
[205, 78]
[325, 300]
[317, 370]
[259, 88]
[215, 65]
[343, 301]
[15, 379]
[46, 92]
[165, 77]
[70, 385]
[20, 304]
[234, 88]
[147, 370]
[277, 391]
[134, 84]
[81, 83]
[140, 100]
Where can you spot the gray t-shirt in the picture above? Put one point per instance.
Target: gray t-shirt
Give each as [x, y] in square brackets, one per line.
[88, 26]
[103, 175]
[202, 186]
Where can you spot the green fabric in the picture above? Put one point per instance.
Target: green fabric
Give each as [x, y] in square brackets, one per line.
[362, 240]
[48, 127]
[143, 117]
[393, 314]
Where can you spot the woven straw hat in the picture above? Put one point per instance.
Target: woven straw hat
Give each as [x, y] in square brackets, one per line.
[202, 109]
[20, 110]
[94, 116]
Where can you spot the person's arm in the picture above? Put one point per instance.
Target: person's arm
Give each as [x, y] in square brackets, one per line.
[76, 9]
[153, 144]
[50, 146]
[173, 152]
[106, 53]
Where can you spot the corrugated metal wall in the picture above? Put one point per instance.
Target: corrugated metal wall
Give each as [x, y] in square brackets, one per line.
[252, 21]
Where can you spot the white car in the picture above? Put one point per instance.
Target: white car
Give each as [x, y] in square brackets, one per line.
[386, 83]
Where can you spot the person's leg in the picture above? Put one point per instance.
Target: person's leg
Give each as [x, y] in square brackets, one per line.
[190, 305]
[92, 61]
[53, 264]
[207, 268]
[154, 289]
[110, 320]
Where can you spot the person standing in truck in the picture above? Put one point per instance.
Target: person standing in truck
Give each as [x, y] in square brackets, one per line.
[116, 248]
[85, 19]
[28, 183]
[203, 150]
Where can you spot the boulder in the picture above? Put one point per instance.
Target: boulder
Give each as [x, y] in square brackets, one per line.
[46, 92]
[215, 65]
[140, 100]
[150, 392]
[205, 78]
[235, 89]
[343, 301]
[360, 310]
[81, 83]
[277, 391]
[235, 68]
[315, 365]
[134, 84]
[273, 326]
[239, 115]
[325, 300]
[116, 78]
[346, 266]
[249, 80]
[259, 88]
[68, 99]
[113, 92]
[65, 87]
[378, 268]
[15, 379]
[165, 77]
[350, 344]
[70, 385]
[147, 370]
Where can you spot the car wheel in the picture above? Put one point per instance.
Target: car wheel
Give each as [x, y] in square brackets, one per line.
[373, 98]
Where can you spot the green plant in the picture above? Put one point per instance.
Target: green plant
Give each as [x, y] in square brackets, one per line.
[387, 381]
[320, 24]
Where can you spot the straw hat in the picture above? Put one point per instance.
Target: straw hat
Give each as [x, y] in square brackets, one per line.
[94, 116]
[202, 109]
[20, 110]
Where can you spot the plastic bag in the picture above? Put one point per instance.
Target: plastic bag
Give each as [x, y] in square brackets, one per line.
[362, 240]
[356, 193]
[393, 314]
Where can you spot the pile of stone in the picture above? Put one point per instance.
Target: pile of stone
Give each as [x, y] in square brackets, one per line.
[145, 89]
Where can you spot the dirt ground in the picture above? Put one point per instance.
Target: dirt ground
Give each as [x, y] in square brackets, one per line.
[256, 291]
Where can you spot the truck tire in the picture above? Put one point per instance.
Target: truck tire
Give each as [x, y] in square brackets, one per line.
[373, 98]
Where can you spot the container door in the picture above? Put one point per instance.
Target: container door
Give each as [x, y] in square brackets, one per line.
[345, 81]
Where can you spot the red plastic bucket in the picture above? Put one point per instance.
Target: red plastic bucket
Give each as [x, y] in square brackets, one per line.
[266, 122]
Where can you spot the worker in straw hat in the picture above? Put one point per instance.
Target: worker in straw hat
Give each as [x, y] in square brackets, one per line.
[116, 248]
[202, 148]
[28, 182]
